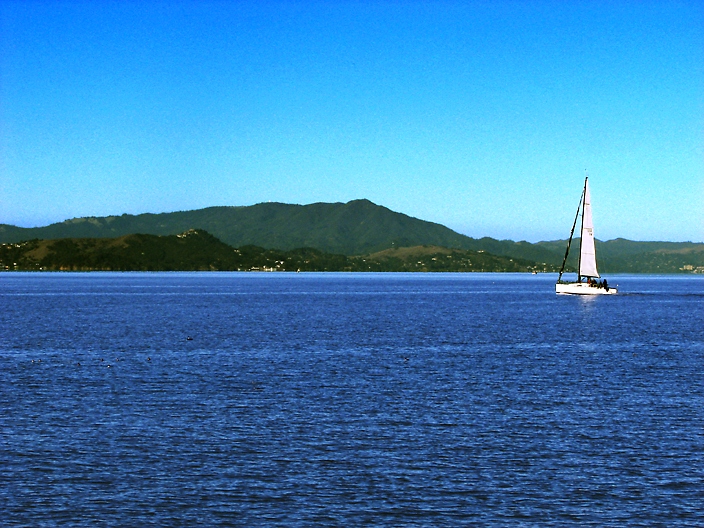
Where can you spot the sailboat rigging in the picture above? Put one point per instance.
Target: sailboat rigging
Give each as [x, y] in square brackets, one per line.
[587, 273]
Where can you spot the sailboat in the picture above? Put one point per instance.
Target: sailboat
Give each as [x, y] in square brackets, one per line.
[587, 274]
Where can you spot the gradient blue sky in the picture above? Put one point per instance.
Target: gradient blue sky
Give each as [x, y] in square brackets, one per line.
[481, 116]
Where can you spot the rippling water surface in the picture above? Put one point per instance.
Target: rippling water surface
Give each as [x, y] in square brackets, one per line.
[349, 399]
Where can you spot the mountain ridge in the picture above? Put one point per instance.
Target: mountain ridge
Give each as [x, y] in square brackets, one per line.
[355, 227]
[198, 250]
[358, 227]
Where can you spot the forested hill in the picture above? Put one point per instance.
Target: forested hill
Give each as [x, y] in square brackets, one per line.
[628, 256]
[197, 250]
[358, 227]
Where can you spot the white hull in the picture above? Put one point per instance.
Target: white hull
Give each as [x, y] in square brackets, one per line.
[582, 288]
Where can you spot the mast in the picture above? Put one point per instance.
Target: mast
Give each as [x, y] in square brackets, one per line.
[581, 230]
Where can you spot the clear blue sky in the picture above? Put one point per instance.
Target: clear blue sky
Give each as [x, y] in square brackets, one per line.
[481, 116]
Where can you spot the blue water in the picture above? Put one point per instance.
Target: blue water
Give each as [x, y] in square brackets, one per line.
[223, 399]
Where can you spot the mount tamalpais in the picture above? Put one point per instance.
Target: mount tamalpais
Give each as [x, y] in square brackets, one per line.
[358, 227]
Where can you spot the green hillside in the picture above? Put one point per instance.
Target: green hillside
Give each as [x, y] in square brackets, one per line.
[197, 250]
[627, 256]
[194, 250]
[357, 228]
[434, 258]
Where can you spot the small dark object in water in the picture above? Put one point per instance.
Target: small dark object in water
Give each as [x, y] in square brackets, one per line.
[189, 338]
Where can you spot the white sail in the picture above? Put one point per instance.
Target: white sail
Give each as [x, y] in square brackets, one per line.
[587, 260]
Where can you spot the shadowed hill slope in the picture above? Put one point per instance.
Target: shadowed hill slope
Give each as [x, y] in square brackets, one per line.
[355, 228]
[194, 250]
[197, 250]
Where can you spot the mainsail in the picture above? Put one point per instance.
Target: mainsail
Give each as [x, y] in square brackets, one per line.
[587, 254]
